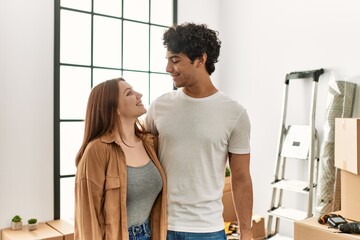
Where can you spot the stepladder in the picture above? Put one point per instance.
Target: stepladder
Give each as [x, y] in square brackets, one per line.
[296, 142]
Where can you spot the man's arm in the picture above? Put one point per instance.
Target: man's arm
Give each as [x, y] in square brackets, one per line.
[242, 191]
[149, 121]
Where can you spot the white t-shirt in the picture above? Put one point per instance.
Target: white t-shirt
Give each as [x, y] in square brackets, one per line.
[195, 136]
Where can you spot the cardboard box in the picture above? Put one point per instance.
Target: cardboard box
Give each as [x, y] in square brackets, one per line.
[350, 195]
[347, 144]
[310, 229]
[258, 227]
[258, 222]
[43, 232]
[63, 227]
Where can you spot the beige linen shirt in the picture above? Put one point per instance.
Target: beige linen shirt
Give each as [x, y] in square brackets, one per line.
[100, 192]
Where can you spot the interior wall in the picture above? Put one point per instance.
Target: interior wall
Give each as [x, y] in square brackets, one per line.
[264, 40]
[26, 110]
[202, 12]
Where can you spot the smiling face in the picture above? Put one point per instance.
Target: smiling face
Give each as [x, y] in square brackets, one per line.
[130, 105]
[182, 70]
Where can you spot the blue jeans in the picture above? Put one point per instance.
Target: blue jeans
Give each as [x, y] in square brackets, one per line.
[140, 232]
[172, 235]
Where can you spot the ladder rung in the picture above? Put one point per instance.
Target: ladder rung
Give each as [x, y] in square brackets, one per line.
[292, 185]
[288, 214]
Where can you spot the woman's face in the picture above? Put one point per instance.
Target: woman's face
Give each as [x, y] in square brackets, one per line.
[130, 104]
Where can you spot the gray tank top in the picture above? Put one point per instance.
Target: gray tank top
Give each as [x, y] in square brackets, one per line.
[144, 185]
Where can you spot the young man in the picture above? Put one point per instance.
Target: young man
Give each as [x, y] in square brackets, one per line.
[200, 128]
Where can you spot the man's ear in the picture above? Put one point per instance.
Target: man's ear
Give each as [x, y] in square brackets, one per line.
[201, 60]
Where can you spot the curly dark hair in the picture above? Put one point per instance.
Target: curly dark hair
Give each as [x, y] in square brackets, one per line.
[194, 40]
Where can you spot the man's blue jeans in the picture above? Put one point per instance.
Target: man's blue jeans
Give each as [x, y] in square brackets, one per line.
[172, 235]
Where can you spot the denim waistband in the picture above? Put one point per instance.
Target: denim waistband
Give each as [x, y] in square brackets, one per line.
[141, 229]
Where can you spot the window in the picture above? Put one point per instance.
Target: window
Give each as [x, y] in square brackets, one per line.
[96, 40]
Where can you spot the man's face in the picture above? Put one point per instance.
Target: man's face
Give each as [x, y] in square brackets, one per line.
[181, 69]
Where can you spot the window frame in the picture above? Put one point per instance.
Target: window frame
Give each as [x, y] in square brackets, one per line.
[57, 64]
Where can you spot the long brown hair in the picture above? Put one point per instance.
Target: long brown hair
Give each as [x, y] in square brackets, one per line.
[101, 114]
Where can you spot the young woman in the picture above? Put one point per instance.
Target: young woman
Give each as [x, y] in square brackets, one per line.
[120, 187]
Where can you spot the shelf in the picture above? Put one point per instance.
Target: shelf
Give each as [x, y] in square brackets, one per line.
[292, 185]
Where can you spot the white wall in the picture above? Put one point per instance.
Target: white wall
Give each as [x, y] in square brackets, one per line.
[26, 110]
[262, 41]
[202, 11]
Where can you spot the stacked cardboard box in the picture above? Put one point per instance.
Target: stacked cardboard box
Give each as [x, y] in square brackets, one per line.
[350, 195]
[258, 225]
[347, 144]
[347, 159]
